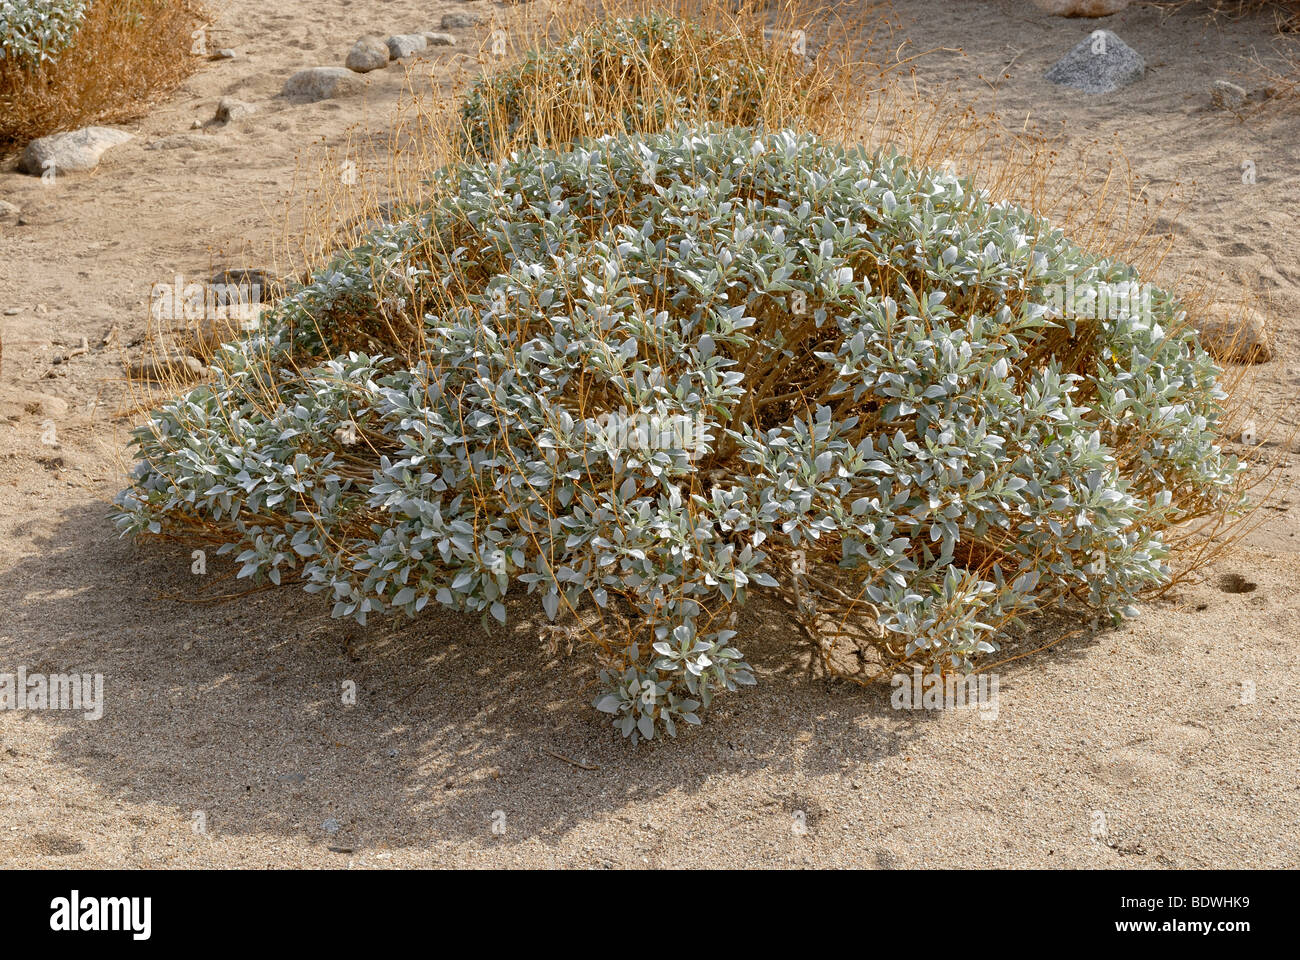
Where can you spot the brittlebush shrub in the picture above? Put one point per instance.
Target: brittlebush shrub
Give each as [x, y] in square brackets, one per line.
[646, 376]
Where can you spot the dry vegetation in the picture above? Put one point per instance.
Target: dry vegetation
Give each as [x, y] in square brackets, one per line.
[854, 87]
[1281, 80]
[126, 54]
[1285, 12]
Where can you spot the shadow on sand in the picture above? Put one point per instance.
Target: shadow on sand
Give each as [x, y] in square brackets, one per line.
[235, 707]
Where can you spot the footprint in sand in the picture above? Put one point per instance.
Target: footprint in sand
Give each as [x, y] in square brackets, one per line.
[1236, 249]
[1149, 760]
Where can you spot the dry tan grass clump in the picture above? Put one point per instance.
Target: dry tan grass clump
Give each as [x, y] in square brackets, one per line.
[1285, 12]
[125, 55]
[1280, 79]
[641, 74]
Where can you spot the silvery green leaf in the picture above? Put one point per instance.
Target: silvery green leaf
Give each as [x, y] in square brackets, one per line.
[551, 604]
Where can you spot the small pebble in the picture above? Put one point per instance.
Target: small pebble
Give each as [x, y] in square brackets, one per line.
[1227, 95]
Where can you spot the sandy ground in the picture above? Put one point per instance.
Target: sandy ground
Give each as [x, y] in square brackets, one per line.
[229, 715]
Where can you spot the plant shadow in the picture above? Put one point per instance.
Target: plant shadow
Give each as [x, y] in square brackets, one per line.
[235, 710]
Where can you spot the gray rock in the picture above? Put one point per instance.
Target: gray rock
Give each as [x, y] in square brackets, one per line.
[440, 39]
[73, 151]
[225, 53]
[233, 278]
[1226, 95]
[228, 108]
[406, 44]
[322, 83]
[1100, 63]
[460, 21]
[1081, 8]
[1235, 334]
[330, 826]
[251, 277]
[368, 53]
[166, 369]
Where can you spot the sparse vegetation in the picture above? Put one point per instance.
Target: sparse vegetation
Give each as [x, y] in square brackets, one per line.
[638, 74]
[67, 64]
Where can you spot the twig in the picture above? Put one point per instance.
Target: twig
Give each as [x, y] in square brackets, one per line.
[1003, 72]
[576, 763]
[76, 352]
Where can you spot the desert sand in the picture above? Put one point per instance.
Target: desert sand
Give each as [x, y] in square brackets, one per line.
[228, 714]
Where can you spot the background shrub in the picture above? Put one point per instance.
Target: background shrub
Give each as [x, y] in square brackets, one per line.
[76, 63]
[656, 372]
[636, 74]
[35, 30]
